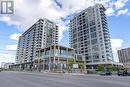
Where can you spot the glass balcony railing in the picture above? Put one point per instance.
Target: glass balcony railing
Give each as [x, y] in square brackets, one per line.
[58, 55]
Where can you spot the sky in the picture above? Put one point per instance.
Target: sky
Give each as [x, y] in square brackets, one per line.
[27, 12]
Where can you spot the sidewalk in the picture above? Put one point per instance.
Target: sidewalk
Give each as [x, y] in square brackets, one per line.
[57, 74]
[49, 73]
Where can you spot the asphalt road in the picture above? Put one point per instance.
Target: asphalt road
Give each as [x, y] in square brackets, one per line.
[18, 79]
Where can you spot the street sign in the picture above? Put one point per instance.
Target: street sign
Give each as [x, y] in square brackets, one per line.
[75, 66]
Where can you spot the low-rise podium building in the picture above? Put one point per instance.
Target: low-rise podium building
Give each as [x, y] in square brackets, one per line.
[56, 57]
[51, 58]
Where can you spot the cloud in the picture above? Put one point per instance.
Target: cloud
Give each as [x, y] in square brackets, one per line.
[109, 12]
[120, 4]
[122, 12]
[27, 12]
[113, 8]
[116, 44]
[8, 20]
[15, 36]
[11, 47]
[62, 28]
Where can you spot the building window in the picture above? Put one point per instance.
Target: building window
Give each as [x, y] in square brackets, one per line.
[94, 41]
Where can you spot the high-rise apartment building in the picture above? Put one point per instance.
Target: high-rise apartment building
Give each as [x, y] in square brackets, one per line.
[89, 35]
[40, 35]
[124, 55]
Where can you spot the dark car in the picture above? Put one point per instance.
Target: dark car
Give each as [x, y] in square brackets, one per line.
[128, 74]
[120, 73]
[123, 73]
[106, 74]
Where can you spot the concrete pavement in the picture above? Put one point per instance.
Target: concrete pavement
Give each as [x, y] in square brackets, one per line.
[26, 79]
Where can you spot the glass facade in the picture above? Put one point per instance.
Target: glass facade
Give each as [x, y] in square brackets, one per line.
[58, 52]
[42, 34]
[89, 34]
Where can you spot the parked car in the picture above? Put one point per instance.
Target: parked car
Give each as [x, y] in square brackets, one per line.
[120, 73]
[106, 73]
[123, 73]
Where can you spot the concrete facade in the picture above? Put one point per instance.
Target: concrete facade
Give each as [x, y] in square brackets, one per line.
[124, 55]
[89, 35]
[43, 33]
